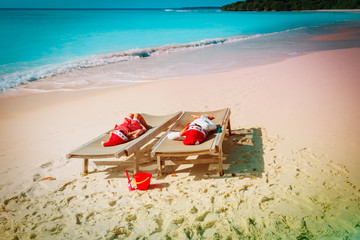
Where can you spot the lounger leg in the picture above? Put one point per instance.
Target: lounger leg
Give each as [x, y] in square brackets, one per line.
[221, 172]
[229, 127]
[86, 166]
[136, 162]
[159, 165]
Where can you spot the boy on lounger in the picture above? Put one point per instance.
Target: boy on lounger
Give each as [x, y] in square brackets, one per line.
[195, 132]
[133, 126]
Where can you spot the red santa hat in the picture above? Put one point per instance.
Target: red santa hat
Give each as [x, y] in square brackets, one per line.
[116, 138]
[194, 135]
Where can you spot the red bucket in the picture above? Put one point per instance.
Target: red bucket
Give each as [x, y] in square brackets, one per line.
[142, 180]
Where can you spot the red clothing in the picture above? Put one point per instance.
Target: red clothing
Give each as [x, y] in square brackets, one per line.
[129, 125]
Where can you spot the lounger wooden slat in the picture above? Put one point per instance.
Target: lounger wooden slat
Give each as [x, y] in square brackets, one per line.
[94, 149]
[212, 144]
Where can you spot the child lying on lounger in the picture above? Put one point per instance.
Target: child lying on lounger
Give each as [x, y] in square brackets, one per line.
[195, 132]
[133, 126]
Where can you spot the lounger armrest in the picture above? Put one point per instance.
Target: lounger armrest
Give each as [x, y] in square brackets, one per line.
[221, 132]
[153, 150]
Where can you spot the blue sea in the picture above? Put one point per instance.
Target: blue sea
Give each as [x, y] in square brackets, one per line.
[59, 50]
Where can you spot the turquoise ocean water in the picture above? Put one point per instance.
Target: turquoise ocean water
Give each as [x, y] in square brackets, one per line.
[43, 44]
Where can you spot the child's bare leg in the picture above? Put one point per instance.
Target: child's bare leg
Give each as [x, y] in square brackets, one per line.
[182, 133]
[136, 133]
[131, 115]
[139, 117]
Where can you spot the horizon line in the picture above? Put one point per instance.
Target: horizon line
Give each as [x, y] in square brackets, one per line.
[177, 8]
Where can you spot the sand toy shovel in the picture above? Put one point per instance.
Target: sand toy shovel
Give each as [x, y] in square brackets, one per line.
[129, 181]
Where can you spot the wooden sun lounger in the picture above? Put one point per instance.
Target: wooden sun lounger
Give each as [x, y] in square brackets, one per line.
[94, 148]
[212, 144]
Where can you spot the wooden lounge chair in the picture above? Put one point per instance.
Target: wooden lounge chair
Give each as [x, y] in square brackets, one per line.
[212, 144]
[94, 148]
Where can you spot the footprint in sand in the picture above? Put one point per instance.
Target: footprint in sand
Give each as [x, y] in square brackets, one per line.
[57, 229]
[46, 165]
[36, 177]
[63, 187]
[246, 141]
[78, 217]
[70, 198]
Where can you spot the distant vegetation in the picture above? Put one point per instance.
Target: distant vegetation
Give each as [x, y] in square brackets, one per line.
[289, 5]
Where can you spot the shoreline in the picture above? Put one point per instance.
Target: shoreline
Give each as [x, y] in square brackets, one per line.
[302, 113]
[59, 76]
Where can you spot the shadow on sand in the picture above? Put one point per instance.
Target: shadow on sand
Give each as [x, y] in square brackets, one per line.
[243, 152]
[242, 156]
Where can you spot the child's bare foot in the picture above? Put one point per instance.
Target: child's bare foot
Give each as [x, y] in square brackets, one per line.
[147, 127]
[198, 116]
[195, 116]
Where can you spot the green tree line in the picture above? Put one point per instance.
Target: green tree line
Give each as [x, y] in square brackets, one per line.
[290, 5]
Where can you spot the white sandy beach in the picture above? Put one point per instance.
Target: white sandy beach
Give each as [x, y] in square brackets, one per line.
[291, 165]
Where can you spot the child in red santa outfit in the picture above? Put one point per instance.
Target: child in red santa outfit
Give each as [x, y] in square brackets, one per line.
[133, 126]
[195, 132]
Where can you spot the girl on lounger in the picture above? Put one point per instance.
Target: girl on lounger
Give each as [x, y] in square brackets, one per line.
[133, 126]
[195, 132]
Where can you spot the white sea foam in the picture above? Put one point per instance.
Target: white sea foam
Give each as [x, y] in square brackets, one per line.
[15, 79]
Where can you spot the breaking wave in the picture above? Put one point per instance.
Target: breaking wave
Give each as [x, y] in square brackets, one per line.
[15, 79]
